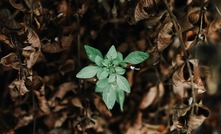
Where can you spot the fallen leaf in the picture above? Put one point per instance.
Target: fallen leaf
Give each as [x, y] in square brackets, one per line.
[11, 60]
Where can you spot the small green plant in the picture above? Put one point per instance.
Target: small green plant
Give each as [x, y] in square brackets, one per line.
[109, 70]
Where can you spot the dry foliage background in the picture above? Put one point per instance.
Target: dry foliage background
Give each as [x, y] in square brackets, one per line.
[177, 90]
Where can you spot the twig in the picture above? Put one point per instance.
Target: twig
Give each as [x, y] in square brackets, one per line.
[33, 107]
[180, 37]
[217, 9]
[158, 91]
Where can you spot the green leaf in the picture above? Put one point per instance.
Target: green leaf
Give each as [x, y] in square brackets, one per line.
[123, 83]
[92, 52]
[120, 70]
[101, 74]
[109, 96]
[120, 98]
[116, 62]
[98, 60]
[102, 83]
[111, 78]
[119, 56]
[112, 53]
[88, 72]
[98, 89]
[106, 62]
[123, 64]
[136, 57]
[111, 70]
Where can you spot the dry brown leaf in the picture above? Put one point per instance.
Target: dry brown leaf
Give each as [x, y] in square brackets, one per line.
[198, 84]
[136, 127]
[31, 55]
[101, 107]
[59, 122]
[151, 95]
[11, 60]
[165, 36]
[153, 129]
[190, 37]
[140, 8]
[194, 15]
[8, 21]
[63, 89]
[17, 87]
[24, 121]
[68, 66]
[16, 5]
[50, 120]
[32, 52]
[214, 34]
[58, 46]
[200, 114]
[6, 40]
[63, 8]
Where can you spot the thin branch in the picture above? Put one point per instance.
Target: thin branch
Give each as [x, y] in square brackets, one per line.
[180, 37]
[217, 9]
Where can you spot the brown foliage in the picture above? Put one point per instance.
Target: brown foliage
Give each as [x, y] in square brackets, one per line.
[41, 50]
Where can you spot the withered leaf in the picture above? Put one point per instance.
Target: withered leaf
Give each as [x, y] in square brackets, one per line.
[24, 121]
[214, 31]
[32, 52]
[39, 91]
[16, 5]
[200, 114]
[142, 5]
[58, 46]
[101, 106]
[18, 85]
[7, 20]
[68, 66]
[165, 36]
[11, 60]
[6, 40]
[151, 95]
[194, 15]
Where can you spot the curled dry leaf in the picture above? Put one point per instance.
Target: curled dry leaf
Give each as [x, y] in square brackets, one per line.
[11, 60]
[63, 8]
[6, 40]
[154, 20]
[183, 118]
[24, 121]
[39, 91]
[198, 84]
[214, 31]
[153, 129]
[62, 90]
[165, 36]
[60, 121]
[60, 45]
[101, 107]
[140, 8]
[32, 52]
[8, 21]
[151, 95]
[68, 66]
[194, 15]
[181, 79]
[16, 5]
[200, 114]
[17, 87]
[190, 37]
[136, 127]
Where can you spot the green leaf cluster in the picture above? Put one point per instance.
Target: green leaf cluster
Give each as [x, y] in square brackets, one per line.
[109, 71]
